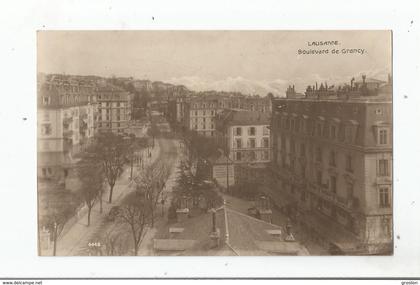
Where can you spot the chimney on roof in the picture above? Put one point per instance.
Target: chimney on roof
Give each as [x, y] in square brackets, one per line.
[215, 232]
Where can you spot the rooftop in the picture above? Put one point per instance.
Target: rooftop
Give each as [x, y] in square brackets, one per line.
[236, 118]
[240, 234]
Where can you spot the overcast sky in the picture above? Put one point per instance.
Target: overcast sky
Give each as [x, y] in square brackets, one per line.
[253, 61]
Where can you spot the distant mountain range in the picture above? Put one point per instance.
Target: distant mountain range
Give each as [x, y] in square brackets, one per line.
[262, 87]
[233, 84]
[277, 87]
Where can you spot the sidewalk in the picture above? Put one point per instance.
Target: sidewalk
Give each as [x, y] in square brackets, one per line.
[146, 246]
[77, 235]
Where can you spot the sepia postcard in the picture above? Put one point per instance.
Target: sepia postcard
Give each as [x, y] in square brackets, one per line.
[214, 143]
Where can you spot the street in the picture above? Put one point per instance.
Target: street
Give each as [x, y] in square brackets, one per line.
[77, 236]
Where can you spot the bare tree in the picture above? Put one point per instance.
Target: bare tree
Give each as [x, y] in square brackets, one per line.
[91, 177]
[114, 243]
[59, 207]
[151, 183]
[135, 212]
[136, 144]
[111, 150]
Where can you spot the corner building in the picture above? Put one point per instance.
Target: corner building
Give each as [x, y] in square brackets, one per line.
[333, 163]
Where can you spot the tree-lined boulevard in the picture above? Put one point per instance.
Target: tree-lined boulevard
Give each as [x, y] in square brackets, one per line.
[119, 198]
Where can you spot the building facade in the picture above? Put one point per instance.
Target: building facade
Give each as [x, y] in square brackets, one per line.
[66, 122]
[244, 137]
[332, 159]
[201, 114]
[198, 113]
[114, 109]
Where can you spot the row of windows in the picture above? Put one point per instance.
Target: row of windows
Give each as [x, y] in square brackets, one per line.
[332, 130]
[204, 105]
[116, 118]
[251, 131]
[212, 113]
[383, 164]
[204, 120]
[251, 143]
[344, 217]
[203, 126]
[236, 105]
[321, 129]
[332, 161]
[251, 156]
[46, 100]
[383, 170]
[384, 196]
[319, 154]
[108, 104]
[107, 125]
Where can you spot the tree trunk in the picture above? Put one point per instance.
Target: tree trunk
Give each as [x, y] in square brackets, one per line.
[111, 189]
[89, 211]
[100, 202]
[135, 243]
[153, 216]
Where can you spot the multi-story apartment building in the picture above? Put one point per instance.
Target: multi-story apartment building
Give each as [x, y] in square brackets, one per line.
[244, 138]
[249, 103]
[332, 159]
[176, 109]
[198, 113]
[114, 109]
[201, 113]
[66, 122]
